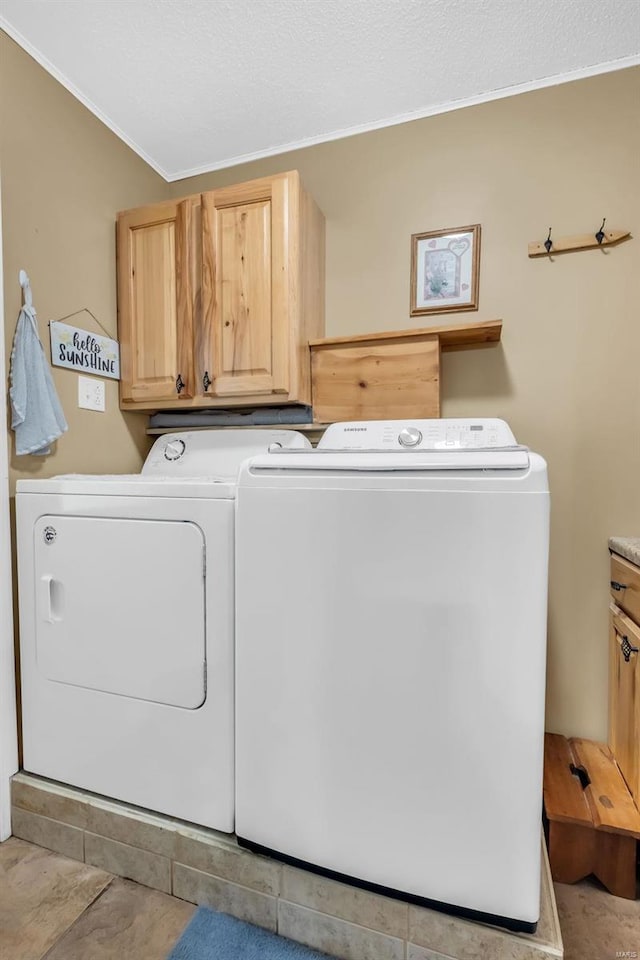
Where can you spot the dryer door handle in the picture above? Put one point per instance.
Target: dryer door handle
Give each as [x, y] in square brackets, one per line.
[50, 599]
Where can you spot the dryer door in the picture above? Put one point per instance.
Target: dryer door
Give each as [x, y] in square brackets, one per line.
[120, 606]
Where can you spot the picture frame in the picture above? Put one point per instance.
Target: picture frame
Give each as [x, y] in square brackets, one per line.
[445, 268]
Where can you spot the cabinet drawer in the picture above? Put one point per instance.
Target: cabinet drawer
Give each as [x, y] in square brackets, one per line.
[624, 697]
[625, 586]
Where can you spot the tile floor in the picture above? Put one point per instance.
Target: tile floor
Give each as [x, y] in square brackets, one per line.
[60, 909]
[53, 908]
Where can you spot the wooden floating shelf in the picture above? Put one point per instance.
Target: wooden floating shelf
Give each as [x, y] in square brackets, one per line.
[454, 336]
[583, 241]
[394, 375]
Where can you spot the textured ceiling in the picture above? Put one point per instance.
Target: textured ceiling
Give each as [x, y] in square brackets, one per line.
[195, 85]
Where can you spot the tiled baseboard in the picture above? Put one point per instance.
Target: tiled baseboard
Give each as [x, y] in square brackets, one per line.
[206, 867]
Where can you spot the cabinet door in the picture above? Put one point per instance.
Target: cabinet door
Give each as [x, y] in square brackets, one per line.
[249, 286]
[158, 291]
[624, 698]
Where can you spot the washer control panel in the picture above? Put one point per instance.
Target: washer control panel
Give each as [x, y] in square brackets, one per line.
[442, 434]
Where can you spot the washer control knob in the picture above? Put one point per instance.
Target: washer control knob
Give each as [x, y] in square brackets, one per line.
[174, 449]
[409, 437]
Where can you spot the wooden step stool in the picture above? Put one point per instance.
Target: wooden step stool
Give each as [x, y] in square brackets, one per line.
[593, 822]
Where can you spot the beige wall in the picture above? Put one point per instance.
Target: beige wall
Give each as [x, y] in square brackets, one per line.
[567, 375]
[64, 176]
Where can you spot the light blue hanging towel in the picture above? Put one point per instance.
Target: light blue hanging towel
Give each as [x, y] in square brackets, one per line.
[36, 413]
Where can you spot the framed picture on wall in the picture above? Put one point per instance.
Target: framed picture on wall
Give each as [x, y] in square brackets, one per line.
[445, 270]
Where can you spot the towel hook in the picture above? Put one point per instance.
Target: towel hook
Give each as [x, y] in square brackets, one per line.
[27, 295]
[548, 244]
[600, 234]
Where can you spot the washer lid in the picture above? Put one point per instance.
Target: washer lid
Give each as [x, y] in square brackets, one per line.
[505, 458]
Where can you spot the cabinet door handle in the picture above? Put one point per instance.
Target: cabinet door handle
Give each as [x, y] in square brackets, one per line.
[618, 586]
[206, 381]
[179, 384]
[627, 648]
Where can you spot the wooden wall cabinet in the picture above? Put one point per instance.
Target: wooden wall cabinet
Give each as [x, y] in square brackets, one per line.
[218, 296]
[624, 671]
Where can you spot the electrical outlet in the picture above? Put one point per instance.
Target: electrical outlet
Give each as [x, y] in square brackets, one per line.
[91, 394]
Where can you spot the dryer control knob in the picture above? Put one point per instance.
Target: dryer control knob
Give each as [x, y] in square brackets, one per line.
[174, 449]
[409, 437]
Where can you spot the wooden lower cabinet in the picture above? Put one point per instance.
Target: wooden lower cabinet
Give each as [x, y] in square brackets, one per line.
[218, 296]
[624, 696]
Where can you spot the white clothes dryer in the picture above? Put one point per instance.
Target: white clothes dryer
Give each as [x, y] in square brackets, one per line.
[126, 601]
[390, 715]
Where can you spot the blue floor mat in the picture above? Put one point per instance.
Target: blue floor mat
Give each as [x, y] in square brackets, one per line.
[215, 936]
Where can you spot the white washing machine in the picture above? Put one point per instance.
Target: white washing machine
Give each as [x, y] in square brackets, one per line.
[390, 661]
[126, 594]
